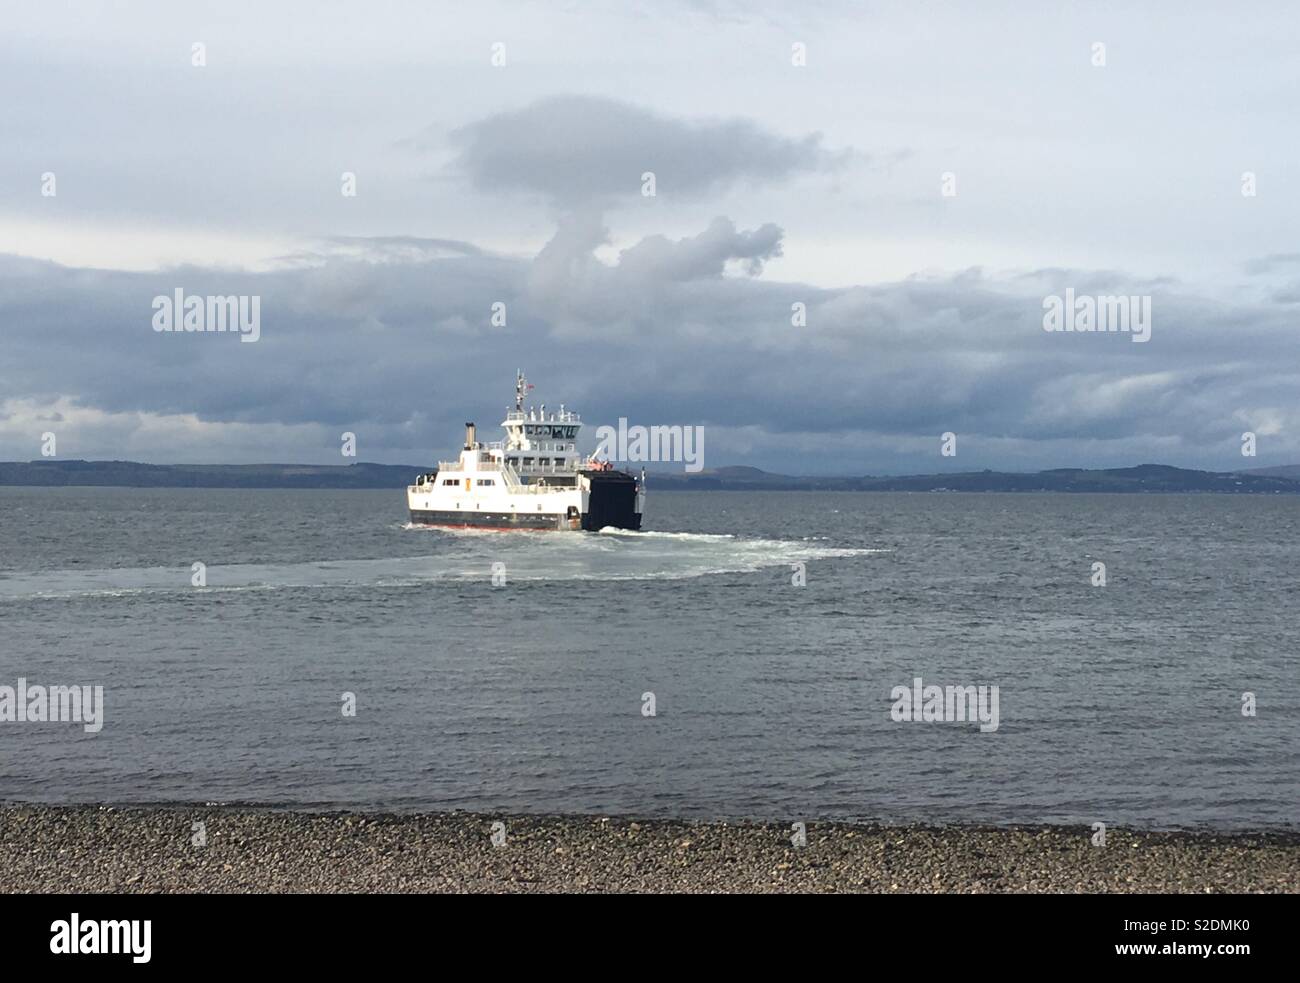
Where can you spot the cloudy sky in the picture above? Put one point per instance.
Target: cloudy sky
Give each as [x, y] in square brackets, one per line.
[775, 184]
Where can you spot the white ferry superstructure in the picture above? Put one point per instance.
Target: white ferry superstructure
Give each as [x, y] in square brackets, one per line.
[534, 479]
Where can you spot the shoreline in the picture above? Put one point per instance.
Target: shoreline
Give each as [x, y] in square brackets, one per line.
[108, 849]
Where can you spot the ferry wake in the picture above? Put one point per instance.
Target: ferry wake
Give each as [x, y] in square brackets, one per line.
[534, 479]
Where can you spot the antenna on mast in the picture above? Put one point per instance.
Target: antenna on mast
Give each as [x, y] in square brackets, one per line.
[521, 387]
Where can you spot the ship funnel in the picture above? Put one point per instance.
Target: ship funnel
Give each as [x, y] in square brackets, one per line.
[469, 436]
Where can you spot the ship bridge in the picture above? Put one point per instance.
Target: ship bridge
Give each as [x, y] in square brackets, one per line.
[538, 442]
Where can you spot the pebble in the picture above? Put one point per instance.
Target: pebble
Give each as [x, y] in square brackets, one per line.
[91, 849]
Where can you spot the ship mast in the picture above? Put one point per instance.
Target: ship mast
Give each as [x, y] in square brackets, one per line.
[521, 387]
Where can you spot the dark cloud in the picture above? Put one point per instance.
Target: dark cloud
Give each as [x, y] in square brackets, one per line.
[577, 149]
[402, 351]
[704, 255]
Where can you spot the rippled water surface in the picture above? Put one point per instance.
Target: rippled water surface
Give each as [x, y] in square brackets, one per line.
[1119, 703]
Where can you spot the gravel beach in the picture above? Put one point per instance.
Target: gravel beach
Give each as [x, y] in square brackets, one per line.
[100, 849]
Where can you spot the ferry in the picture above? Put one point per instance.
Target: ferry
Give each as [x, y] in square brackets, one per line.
[534, 479]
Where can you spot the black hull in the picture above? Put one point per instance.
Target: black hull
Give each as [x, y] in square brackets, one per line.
[612, 501]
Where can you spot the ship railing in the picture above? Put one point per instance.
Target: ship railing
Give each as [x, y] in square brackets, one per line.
[517, 476]
[534, 469]
[482, 466]
[456, 466]
[523, 416]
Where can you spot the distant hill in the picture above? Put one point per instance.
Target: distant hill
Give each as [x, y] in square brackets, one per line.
[1291, 471]
[1143, 478]
[129, 474]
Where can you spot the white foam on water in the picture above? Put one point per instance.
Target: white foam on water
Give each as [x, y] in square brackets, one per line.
[463, 556]
[702, 537]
